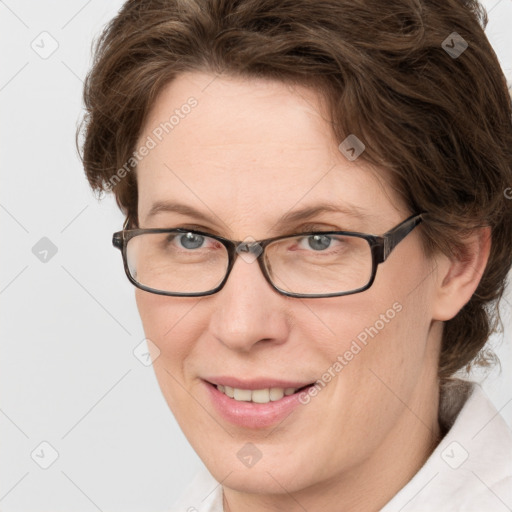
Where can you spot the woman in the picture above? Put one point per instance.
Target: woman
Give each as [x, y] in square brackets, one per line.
[318, 233]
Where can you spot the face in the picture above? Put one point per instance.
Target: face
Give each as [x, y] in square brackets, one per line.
[245, 155]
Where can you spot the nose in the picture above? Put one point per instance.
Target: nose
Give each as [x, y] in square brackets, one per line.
[247, 310]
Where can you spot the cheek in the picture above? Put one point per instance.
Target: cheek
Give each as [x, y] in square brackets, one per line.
[377, 354]
[351, 327]
[171, 323]
[380, 338]
[153, 315]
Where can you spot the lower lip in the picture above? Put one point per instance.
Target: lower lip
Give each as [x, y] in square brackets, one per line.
[250, 414]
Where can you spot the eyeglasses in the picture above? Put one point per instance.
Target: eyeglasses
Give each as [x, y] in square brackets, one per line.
[189, 263]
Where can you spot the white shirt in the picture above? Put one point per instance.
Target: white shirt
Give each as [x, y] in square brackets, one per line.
[469, 471]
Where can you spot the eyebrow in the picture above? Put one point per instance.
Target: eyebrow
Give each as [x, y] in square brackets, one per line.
[286, 220]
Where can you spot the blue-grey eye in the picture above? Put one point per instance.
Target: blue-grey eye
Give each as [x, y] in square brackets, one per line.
[319, 242]
[191, 240]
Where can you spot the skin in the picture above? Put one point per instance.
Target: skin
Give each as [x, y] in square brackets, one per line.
[249, 152]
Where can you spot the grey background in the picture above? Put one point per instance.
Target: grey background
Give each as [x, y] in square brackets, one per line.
[69, 324]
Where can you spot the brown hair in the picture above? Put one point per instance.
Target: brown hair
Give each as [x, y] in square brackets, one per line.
[440, 123]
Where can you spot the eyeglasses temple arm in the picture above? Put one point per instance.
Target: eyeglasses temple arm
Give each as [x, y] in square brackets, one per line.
[394, 237]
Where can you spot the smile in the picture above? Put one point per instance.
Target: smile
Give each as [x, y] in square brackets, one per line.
[259, 396]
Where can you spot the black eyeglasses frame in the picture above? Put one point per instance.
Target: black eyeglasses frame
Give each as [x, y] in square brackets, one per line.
[380, 246]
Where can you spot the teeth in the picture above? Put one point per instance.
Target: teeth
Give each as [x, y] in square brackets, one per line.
[275, 394]
[260, 396]
[242, 395]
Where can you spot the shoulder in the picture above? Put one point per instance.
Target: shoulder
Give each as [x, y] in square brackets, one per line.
[471, 468]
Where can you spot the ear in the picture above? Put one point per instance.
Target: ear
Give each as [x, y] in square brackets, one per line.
[458, 276]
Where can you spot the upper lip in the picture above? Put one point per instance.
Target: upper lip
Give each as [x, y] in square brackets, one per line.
[256, 383]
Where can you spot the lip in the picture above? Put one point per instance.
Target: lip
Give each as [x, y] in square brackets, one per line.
[259, 383]
[249, 414]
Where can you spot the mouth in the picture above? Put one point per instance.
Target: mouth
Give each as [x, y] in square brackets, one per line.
[256, 403]
[258, 396]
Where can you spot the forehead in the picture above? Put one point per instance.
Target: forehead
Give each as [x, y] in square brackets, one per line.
[235, 113]
[247, 151]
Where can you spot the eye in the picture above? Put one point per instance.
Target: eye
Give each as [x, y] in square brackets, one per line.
[317, 242]
[190, 240]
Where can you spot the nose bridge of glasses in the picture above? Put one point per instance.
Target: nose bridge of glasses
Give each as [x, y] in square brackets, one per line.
[248, 249]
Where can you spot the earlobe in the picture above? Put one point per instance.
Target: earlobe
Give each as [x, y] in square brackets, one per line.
[459, 276]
